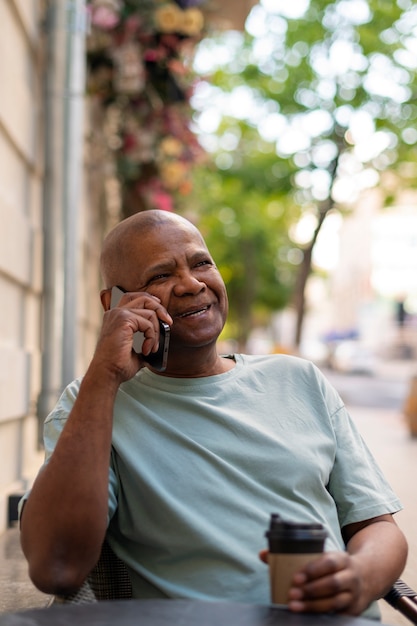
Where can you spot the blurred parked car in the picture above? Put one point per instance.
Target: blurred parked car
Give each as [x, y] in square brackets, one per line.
[353, 357]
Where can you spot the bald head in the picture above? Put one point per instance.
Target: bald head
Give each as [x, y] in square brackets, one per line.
[127, 235]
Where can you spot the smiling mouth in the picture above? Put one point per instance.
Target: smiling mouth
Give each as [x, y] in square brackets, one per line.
[195, 313]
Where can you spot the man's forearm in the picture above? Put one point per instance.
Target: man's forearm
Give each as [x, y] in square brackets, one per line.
[64, 519]
[380, 550]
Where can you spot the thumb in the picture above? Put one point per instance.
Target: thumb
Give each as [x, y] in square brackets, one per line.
[263, 555]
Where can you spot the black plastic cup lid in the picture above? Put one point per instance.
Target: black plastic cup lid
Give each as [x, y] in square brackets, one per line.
[280, 528]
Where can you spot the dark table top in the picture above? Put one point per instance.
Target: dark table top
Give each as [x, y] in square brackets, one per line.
[171, 613]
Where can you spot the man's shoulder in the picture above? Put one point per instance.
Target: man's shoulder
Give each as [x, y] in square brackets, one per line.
[282, 367]
[276, 360]
[65, 401]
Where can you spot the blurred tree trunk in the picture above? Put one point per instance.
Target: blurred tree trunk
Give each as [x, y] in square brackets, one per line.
[246, 296]
[299, 296]
[323, 208]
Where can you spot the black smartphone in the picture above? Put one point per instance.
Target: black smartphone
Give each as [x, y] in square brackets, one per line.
[158, 359]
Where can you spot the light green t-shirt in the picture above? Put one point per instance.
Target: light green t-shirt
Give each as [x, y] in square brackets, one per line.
[198, 465]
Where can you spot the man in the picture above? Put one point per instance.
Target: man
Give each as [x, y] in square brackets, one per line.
[202, 453]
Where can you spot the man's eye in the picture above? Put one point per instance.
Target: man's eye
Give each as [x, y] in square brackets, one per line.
[158, 277]
[202, 263]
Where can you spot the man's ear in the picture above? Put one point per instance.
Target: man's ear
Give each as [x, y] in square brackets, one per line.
[105, 297]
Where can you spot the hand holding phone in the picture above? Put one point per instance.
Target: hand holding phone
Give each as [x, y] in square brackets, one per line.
[158, 360]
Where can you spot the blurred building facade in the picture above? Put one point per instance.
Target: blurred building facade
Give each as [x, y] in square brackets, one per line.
[21, 178]
[36, 262]
[369, 291]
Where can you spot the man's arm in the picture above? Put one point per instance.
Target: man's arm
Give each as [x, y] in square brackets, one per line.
[64, 519]
[348, 582]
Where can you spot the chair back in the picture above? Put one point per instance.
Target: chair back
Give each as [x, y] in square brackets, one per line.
[108, 580]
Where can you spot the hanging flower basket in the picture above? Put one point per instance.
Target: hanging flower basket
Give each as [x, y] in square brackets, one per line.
[139, 61]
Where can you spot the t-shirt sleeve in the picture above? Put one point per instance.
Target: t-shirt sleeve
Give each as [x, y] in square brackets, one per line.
[357, 483]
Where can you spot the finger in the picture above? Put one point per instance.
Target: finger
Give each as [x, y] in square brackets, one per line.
[155, 308]
[146, 322]
[326, 564]
[340, 603]
[128, 296]
[124, 322]
[323, 587]
[338, 591]
[263, 555]
[144, 300]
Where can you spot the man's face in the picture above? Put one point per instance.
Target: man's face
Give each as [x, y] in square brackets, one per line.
[173, 263]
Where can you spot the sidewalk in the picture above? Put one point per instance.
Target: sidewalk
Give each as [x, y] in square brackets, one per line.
[17, 591]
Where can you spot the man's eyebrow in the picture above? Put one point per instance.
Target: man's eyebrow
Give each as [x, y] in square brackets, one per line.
[200, 254]
[159, 267]
[168, 264]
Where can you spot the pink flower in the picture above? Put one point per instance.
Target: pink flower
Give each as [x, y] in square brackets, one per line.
[146, 53]
[158, 198]
[163, 201]
[132, 25]
[104, 17]
[153, 55]
[129, 143]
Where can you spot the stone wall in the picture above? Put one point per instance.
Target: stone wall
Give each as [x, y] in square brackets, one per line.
[25, 132]
[21, 173]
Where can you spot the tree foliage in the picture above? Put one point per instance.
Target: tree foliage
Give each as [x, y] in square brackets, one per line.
[241, 213]
[332, 89]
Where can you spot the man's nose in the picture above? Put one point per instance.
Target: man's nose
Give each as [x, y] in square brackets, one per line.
[187, 283]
